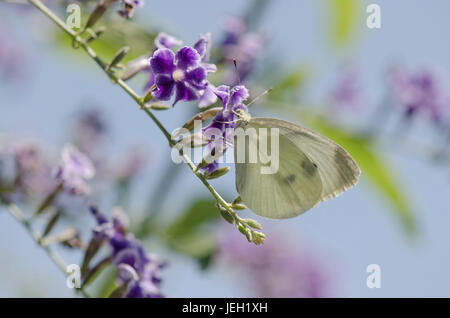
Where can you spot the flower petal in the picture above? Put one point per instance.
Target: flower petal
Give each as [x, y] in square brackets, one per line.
[203, 45]
[223, 92]
[196, 77]
[183, 92]
[187, 57]
[238, 94]
[164, 87]
[207, 97]
[162, 61]
[164, 40]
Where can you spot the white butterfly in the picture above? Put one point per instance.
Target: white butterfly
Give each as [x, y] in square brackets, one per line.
[311, 169]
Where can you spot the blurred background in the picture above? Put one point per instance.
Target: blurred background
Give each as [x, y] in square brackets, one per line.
[380, 93]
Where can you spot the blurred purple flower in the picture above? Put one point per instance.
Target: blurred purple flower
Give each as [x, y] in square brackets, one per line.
[347, 92]
[274, 269]
[240, 45]
[418, 93]
[138, 270]
[24, 173]
[166, 41]
[74, 168]
[183, 73]
[88, 134]
[12, 59]
[232, 101]
[203, 47]
[128, 7]
[132, 165]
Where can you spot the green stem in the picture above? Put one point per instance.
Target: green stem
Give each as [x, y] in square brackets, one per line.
[77, 39]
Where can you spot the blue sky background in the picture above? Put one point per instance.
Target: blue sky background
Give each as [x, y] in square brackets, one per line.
[346, 233]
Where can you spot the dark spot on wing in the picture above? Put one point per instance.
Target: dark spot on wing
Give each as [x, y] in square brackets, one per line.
[290, 178]
[309, 168]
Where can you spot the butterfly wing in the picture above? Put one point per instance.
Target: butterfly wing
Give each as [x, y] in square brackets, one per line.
[293, 189]
[337, 169]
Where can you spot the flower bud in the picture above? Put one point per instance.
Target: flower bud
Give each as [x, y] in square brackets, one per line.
[217, 173]
[193, 141]
[241, 227]
[98, 12]
[203, 116]
[258, 237]
[252, 223]
[134, 67]
[238, 206]
[237, 200]
[118, 57]
[158, 106]
[225, 214]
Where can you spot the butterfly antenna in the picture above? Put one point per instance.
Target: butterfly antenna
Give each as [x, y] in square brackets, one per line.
[259, 96]
[237, 71]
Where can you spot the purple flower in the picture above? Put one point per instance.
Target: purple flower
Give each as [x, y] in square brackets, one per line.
[166, 41]
[74, 169]
[183, 73]
[128, 7]
[24, 173]
[347, 92]
[240, 45]
[274, 269]
[138, 270]
[162, 41]
[418, 93]
[203, 47]
[232, 101]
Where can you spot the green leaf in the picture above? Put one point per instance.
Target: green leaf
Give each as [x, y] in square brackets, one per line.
[373, 167]
[200, 212]
[289, 86]
[186, 234]
[344, 19]
[118, 33]
[199, 246]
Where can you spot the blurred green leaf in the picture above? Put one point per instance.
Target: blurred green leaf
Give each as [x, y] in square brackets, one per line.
[372, 166]
[118, 33]
[199, 246]
[186, 235]
[343, 17]
[289, 86]
[197, 214]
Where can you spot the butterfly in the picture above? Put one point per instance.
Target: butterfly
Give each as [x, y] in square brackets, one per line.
[311, 169]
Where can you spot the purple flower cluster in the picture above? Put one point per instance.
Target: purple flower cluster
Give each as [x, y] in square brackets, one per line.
[74, 169]
[274, 269]
[138, 270]
[183, 73]
[24, 173]
[418, 93]
[240, 45]
[217, 132]
[127, 7]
